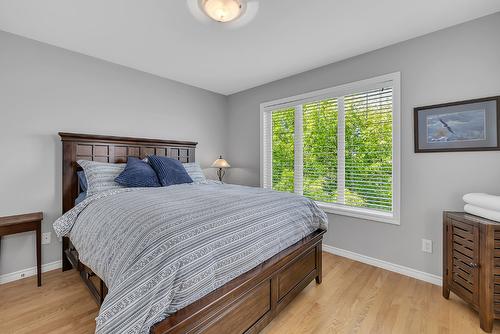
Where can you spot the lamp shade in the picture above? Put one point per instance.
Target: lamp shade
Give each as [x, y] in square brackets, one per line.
[221, 163]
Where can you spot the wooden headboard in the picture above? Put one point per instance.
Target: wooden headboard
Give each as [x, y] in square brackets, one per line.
[112, 149]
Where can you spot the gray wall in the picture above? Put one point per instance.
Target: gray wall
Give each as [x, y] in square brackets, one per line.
[458, 63]
[44, 89]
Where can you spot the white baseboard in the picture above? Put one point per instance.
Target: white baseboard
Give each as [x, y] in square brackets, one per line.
[420, 275]
[6, 278]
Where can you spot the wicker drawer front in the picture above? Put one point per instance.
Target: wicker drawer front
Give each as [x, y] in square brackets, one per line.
[496, 274]
[464, 278]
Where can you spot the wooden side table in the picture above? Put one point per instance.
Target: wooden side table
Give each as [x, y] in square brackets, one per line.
[24, 223]
[471, 263]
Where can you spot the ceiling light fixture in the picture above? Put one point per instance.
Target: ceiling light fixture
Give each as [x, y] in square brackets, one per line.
[223, 10]
[224, 14]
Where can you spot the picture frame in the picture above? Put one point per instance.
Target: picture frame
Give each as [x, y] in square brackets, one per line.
[470, 125]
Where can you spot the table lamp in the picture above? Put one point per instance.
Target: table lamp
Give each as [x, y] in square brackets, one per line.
[221, 164]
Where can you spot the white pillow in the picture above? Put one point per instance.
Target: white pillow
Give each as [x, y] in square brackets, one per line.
[101, 175]
[194, 171]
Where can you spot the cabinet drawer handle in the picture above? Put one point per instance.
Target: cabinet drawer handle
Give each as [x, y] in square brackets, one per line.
[474, 265]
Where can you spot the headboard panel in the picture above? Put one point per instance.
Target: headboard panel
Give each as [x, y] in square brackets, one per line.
[114, 150]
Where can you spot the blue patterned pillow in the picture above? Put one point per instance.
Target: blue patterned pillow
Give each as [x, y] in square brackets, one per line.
[169, 171]
[138, 173]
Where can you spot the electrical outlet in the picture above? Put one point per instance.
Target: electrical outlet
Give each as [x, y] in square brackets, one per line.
[46, 238]
[426, 245]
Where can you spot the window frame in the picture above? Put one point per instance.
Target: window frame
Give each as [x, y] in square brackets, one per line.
[392, 80]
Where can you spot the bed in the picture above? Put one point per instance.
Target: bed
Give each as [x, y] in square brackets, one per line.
[244, 304]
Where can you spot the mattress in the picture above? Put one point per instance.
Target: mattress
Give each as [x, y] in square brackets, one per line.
[160, 249]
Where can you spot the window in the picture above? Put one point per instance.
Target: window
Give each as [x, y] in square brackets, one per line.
[338, 146]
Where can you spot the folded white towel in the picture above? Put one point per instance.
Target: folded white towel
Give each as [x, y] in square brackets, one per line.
[485, 213]
[490, 202]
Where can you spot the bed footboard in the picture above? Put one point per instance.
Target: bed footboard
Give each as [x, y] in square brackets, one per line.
[249, 302]
[244, 305]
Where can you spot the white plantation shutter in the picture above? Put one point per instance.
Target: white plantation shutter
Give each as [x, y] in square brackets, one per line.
[319, 139]
[267, 147]
[298, 165]
[368, 152]
[337, 146]
[282, 123]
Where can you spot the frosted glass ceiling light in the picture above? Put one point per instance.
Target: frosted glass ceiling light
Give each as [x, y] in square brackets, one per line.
[223, 10]
[224, 14]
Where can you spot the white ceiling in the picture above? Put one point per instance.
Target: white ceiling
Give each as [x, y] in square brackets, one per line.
[285, 37]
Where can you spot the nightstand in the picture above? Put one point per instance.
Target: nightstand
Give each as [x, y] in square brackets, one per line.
[471, 263]
[24, 223]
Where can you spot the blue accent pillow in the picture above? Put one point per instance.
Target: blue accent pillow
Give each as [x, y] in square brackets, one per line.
[138, 173]
[82, 180]
[170, 171]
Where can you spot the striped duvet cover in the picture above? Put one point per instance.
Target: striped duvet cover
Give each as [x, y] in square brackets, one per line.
[160, 249]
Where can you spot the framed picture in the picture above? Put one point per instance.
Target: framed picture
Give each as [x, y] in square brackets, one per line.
[471, 125]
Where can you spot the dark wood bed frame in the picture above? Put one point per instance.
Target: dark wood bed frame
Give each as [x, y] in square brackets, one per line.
[244, 305]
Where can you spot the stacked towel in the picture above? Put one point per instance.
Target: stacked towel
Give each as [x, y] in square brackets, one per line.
[483, 205]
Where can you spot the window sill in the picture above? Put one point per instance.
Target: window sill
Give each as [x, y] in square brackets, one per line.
[373, 215]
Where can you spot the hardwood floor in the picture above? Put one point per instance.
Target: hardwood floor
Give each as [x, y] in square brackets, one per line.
[353, 298]
[61, 305]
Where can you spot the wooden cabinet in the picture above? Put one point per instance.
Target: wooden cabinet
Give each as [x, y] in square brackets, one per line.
[471, 263]
[463, 260]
